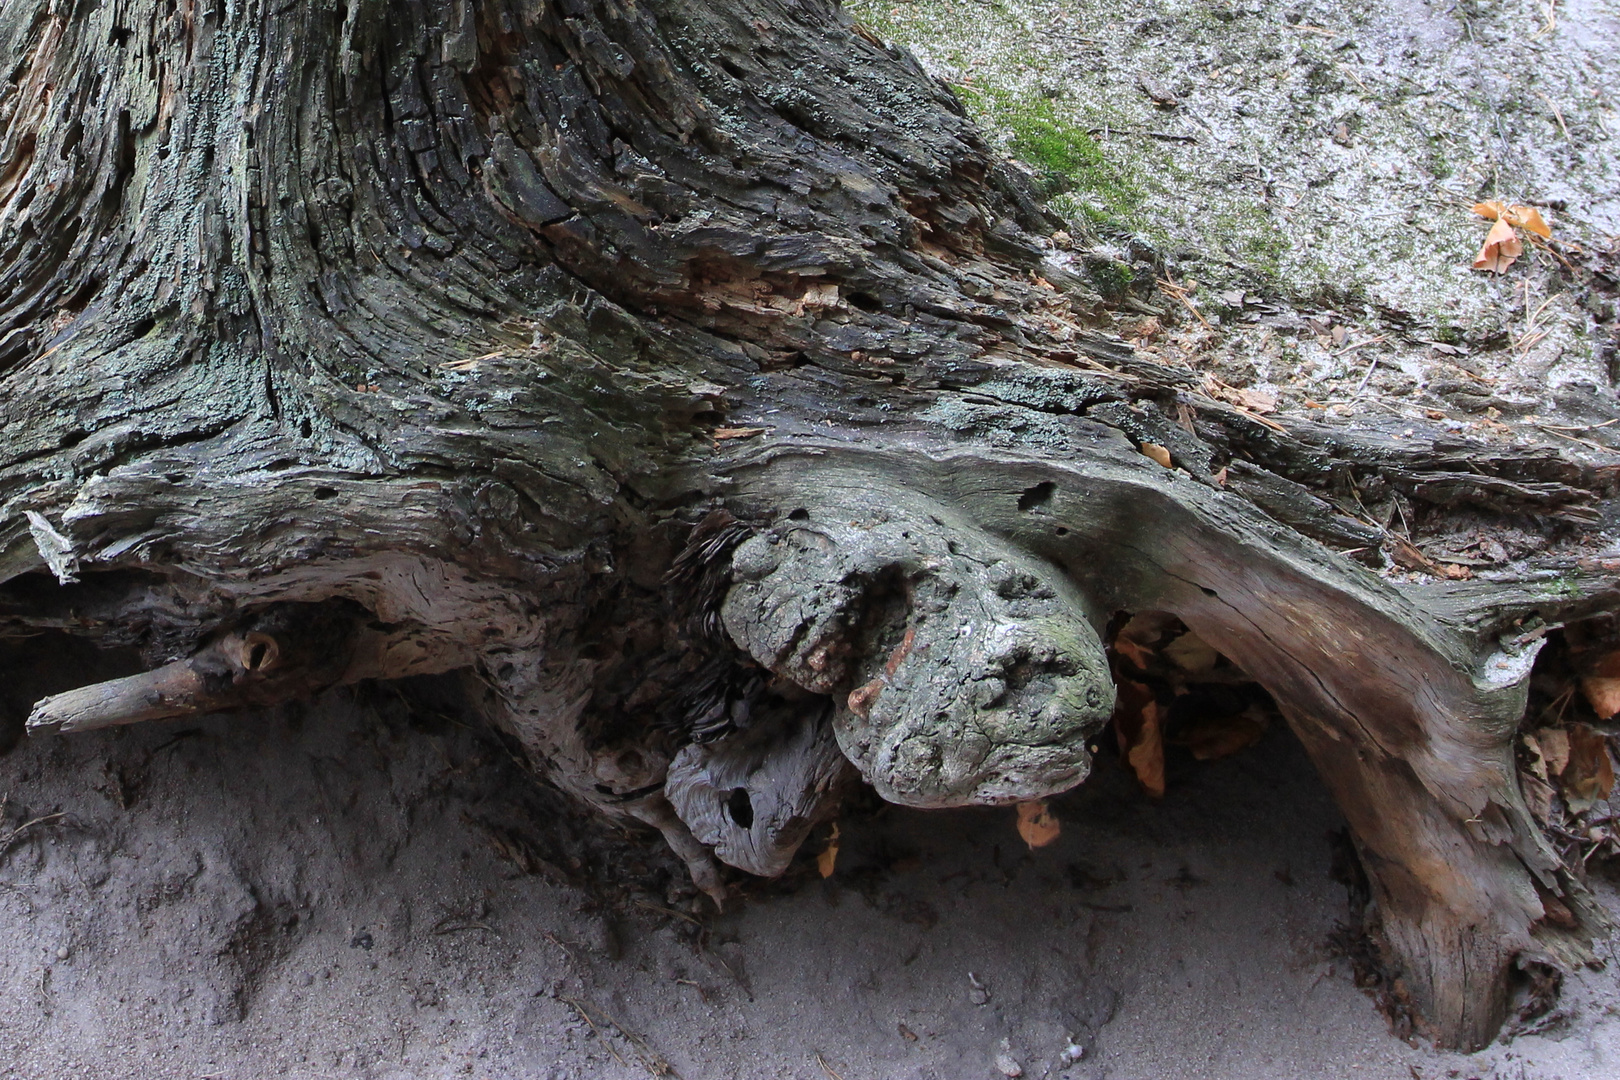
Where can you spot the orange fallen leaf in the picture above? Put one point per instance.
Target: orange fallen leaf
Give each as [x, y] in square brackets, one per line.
[1603, 693]
[828, 859]
[1529, 219]
[1157, 453]
[1525, 217]
[1502, 247]
[738, 432]
[1138, 640]
[1140, 733]
[1037, 824]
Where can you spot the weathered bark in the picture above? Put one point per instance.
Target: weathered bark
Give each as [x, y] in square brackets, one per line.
[447, 326]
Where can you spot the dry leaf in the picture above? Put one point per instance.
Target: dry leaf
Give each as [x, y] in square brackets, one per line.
[1538, 763]
[1502, 246]
[1603, 693]
[1139, 638]
[1189, 652]
[1589, 776]
[1539, 795]
[1146, 758]
[1554, 749]
[1214, 737]
[1257, 401]
[1529, 219]
[828, 859]
[1525, 217]
[738, 432]
[1157, 453]
[1141, 736]
[1037, 824]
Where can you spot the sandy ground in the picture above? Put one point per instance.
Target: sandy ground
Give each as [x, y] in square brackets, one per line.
[352, 891]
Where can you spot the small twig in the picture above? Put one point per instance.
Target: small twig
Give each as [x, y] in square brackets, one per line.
[1180, 293]
[703, 995]
[1579, 427]
[1165, 135]
[585, 1014]
[1372, 367]
[1556, 114]
[1348, 349]
[1573, 439]
[15, 834]
[667, 911]
[826, 1068]
[465, 926]
[651, 1060]
[566, 947]
[1347, 70]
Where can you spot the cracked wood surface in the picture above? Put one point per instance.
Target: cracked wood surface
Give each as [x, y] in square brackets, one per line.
[461, 315]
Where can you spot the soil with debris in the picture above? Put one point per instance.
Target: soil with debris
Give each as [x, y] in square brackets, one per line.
[354, 889]
[1275, 194]
[1279, 193]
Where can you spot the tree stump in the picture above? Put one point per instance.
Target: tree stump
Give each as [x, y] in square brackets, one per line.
[693, 376]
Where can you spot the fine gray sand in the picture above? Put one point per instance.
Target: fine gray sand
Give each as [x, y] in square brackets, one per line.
[354, 890]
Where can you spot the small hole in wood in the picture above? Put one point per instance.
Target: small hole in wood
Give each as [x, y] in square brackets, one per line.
[1061, 531]
[259, 652]
[801, 514]
[740, 807]
[325, 492]
[1039, 495]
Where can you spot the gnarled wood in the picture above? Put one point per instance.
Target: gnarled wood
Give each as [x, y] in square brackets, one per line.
[460, 315]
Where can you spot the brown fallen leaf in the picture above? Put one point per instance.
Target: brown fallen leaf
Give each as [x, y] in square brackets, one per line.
[1554, 743]
[1407, 554]
[1502, 247]
[1257, 401]
[1157, 453]
[1538, 794]
[827, 861]
[1037, 824]
[1212, 737]
[738, 432]
[1589, 776]
[1538, 762]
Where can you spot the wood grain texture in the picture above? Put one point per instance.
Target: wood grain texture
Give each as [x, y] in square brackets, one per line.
[459, 315]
